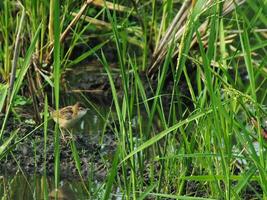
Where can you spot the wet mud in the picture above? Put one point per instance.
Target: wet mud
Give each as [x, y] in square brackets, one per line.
[30, 156]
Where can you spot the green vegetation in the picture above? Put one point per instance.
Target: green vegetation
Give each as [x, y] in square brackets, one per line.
[188, 114]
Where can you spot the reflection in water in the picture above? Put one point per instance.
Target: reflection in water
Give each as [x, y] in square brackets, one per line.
[25, 188]
[65, 192]
[21, 187]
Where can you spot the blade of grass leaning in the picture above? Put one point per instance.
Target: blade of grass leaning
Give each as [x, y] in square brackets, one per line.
[77, 160]
[21, 139]
[146, 193]
[112, 175]
[5, 144]
[244, 179]
[166, 132]
[88, 53]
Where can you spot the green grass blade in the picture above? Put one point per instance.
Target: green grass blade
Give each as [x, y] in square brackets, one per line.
[3, 95]
[166, 132]
[56, 73]
[5, 144]
[112, 175]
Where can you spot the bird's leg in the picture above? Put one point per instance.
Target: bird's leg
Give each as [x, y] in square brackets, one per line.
[62, 134]
[70, 136]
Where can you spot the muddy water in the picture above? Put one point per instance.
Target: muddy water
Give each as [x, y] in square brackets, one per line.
[41, 187]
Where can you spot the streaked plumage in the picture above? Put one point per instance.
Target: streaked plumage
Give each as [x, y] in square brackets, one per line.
[68, 116]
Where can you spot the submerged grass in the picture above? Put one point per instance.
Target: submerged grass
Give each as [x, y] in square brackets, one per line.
[194, 144]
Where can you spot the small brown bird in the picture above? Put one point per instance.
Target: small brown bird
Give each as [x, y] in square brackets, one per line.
[68, 116]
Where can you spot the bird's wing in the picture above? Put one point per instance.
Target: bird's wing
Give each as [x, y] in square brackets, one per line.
[66, 113]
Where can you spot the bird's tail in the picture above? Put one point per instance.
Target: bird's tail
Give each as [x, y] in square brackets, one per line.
[50, 109]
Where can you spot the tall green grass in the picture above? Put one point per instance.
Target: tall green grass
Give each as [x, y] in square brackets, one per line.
[210, 128]
[203, 150]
